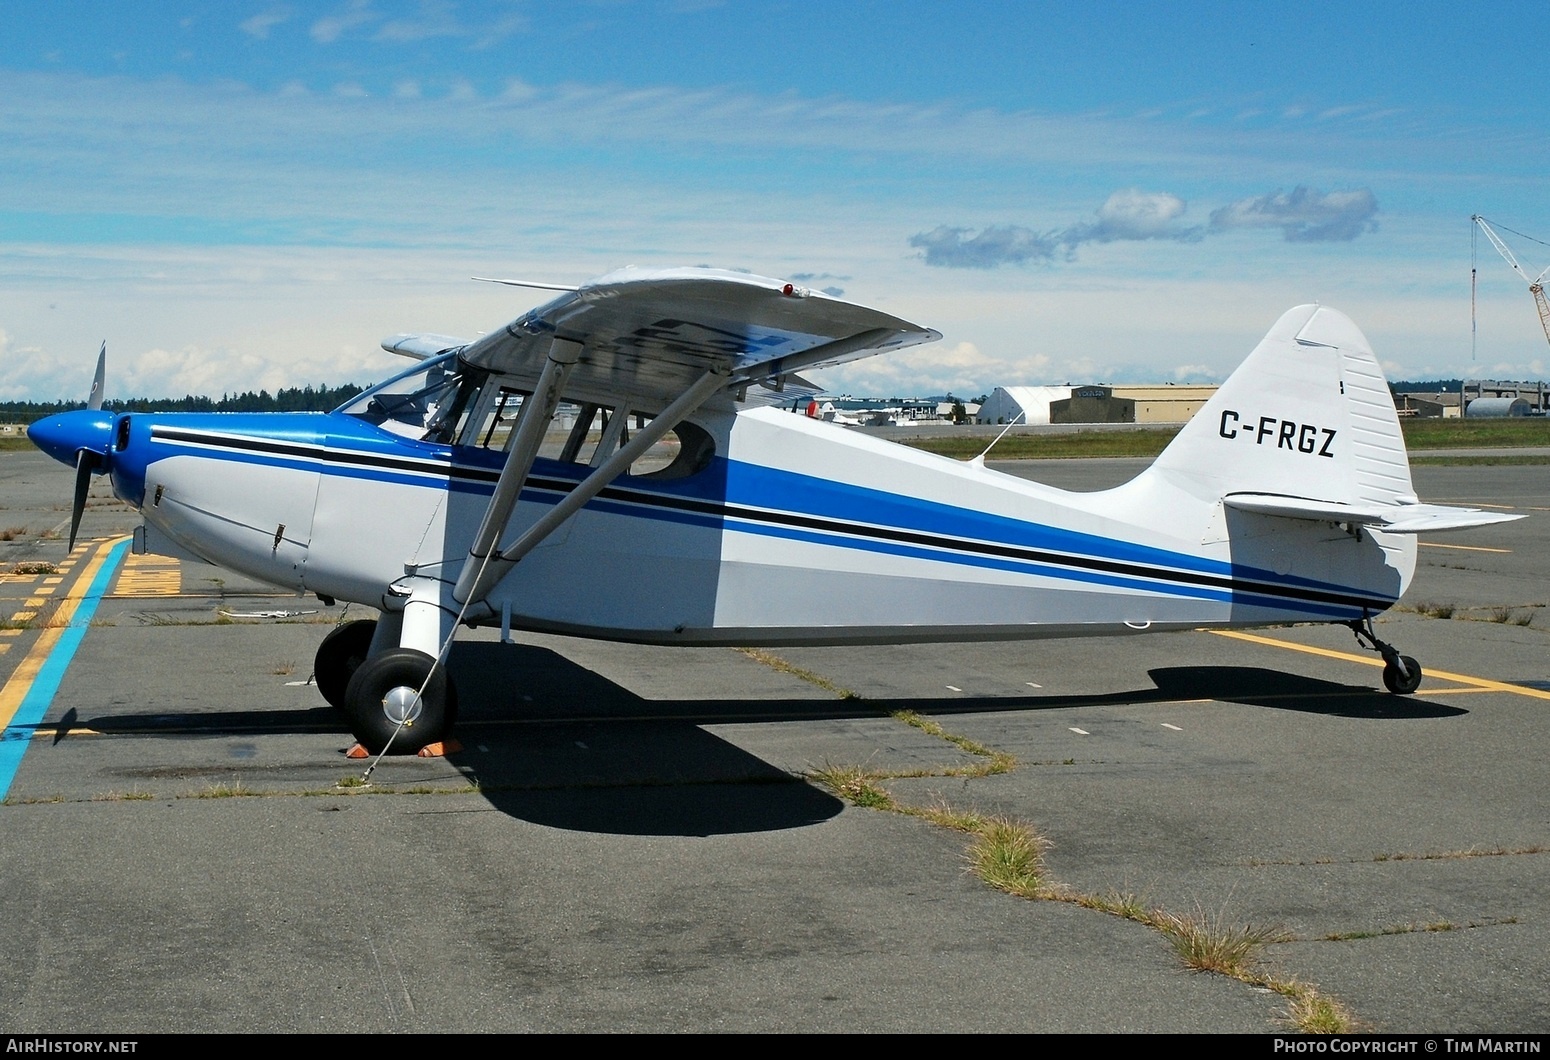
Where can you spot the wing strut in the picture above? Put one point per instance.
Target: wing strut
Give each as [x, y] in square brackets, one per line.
[532, 421]
[480, 575]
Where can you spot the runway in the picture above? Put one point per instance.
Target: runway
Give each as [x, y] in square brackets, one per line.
[633, 838]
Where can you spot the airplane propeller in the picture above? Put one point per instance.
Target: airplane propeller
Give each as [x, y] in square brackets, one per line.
[86, 463]
[81, 438]
[94, 399]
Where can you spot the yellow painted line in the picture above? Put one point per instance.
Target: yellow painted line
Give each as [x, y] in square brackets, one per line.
[1466, 548]
[22, 616]
[1483, 684]
[148, 575]
[27, 670]
[34, 601]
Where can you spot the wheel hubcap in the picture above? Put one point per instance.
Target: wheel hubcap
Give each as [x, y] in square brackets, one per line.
[402, 705]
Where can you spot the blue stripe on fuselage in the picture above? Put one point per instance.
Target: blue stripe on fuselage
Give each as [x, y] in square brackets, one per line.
[760, 500]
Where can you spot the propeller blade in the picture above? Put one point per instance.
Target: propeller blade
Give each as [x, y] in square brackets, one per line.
[86, 462]
[95, 400]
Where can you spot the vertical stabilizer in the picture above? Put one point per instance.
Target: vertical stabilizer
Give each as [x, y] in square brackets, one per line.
[1308, 415]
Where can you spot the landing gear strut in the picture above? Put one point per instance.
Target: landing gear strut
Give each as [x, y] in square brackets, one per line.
[1401, 673]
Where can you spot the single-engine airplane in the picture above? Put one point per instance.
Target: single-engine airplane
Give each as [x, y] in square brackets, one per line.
[1286, 498]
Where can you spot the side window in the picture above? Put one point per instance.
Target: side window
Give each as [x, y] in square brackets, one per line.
[489, 425]
[596, 432]
[688, 449]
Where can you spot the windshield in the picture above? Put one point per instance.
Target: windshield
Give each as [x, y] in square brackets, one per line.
[426, 402]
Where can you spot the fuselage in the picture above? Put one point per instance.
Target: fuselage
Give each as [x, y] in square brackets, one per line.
[786, 531]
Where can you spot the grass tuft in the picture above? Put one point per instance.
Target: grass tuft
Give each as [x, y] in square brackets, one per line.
[1122, 904]
[33, 568]
[945, 816]
[775, 662]
[1009, 856]
[1208, 943]
[857, 786]
[222, 791]
[996, 762]
[1313, 1013]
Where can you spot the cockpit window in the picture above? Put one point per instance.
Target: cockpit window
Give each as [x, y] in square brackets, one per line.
[445, 401]
[428, 402]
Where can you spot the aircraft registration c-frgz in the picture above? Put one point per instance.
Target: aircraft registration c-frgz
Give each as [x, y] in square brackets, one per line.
[1286, 498]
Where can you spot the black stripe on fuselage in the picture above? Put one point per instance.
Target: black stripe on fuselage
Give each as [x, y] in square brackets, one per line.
[724, 510]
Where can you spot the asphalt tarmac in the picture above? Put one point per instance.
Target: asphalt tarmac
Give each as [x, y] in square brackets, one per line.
[631, 840]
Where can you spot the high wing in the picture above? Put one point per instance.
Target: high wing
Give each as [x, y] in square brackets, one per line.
[659, 342]
[650, 334]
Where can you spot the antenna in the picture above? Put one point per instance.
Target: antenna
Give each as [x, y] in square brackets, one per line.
[979, 461]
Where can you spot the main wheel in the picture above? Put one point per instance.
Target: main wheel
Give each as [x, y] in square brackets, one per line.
[1402, 684]
[340, 655]
[386, 690]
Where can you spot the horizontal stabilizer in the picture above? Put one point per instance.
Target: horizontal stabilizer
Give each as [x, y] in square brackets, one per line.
[1394, 518]
[421, 346]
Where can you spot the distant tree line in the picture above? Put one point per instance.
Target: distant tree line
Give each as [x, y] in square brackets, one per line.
[291, 399]
[1427, 386]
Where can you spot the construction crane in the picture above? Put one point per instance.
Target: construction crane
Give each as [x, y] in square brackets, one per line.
[1536, 288]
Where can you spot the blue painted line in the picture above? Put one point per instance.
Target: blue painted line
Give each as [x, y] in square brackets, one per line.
[18, 735]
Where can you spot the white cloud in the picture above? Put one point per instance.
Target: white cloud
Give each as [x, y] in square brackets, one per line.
[995, 245]
[434, 18]
[357, 13]
[1189, 373]
[1133, 214]
[961, 369]
[29, 373]
[259, 25]
[1304, 215]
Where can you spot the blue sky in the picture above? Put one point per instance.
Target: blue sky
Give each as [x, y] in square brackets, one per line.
[241, 194]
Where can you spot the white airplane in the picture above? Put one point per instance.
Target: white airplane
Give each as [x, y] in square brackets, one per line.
[1287, 498]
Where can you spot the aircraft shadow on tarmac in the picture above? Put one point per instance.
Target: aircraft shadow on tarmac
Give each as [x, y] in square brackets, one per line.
[1258, 687]
[554, 743]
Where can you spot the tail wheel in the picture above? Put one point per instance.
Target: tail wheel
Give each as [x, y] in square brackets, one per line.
[1402, 683]
[339, 656]
[386, 691]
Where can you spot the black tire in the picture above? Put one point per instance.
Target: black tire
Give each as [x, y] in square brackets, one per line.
[373, 713]
[1402, 684]
[339, 656]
